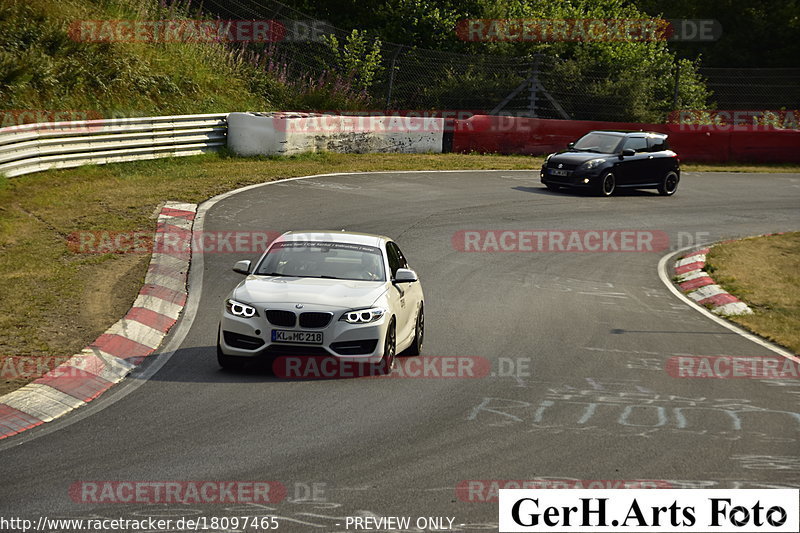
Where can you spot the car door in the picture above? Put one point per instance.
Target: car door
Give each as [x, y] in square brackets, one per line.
[403, 294]
[632, 169]
[661, 161]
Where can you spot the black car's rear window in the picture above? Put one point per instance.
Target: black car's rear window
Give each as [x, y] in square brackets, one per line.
[638, 144]
[658, 144]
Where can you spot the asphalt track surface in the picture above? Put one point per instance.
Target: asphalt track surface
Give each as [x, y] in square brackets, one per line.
[588, 333]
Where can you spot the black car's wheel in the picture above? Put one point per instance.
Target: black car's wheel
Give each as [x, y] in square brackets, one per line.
[389, 347]
[419, 334]
[670, 184]
[551, 187]
[608, 184]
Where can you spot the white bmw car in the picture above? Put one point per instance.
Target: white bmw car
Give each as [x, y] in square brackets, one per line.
[347, 295]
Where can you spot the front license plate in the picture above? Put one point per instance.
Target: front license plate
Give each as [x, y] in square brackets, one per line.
[302, 337]
[559, 172]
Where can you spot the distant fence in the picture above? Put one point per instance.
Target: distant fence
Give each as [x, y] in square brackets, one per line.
[42, 146]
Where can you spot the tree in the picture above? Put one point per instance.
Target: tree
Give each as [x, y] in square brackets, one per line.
[357, 58]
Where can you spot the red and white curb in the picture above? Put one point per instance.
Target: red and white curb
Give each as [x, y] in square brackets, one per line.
[700, 287]
[113, 355]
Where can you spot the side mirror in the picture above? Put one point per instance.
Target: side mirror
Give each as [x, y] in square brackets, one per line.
[627, 152]
[242, 267]
[570, 145]
[405, 275]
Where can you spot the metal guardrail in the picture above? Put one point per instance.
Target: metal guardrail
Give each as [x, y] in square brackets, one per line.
[35, 147]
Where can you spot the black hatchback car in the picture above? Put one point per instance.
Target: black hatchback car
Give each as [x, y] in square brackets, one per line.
[604, 161]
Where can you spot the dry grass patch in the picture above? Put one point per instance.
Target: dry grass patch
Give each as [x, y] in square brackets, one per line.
[764, 272]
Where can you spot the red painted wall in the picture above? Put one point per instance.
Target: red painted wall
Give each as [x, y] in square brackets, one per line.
[512, 135]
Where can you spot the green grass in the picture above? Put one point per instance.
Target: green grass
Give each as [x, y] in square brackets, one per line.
[764, 272]
[42, 68]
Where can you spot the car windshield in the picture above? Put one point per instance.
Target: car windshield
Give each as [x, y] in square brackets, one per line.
[331, 260]
[602, 143]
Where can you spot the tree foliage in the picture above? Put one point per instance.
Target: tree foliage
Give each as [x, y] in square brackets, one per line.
[637, 77]
[755, 33]
[357, 58]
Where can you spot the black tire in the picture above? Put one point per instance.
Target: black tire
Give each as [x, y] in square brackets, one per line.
[551, 187]
[389, 350]
[419, 333]
[607, 185]
[670, 184]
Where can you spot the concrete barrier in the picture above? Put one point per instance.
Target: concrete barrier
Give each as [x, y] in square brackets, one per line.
[293, 133]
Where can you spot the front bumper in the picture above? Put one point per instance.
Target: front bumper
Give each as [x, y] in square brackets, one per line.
[574, 178]
[252, 337]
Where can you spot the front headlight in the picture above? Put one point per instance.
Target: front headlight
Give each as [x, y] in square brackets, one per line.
[239, 309]
[592, 163]
[363, 316]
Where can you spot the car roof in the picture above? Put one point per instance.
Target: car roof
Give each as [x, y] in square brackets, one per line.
[348, 237]
[631, 133]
